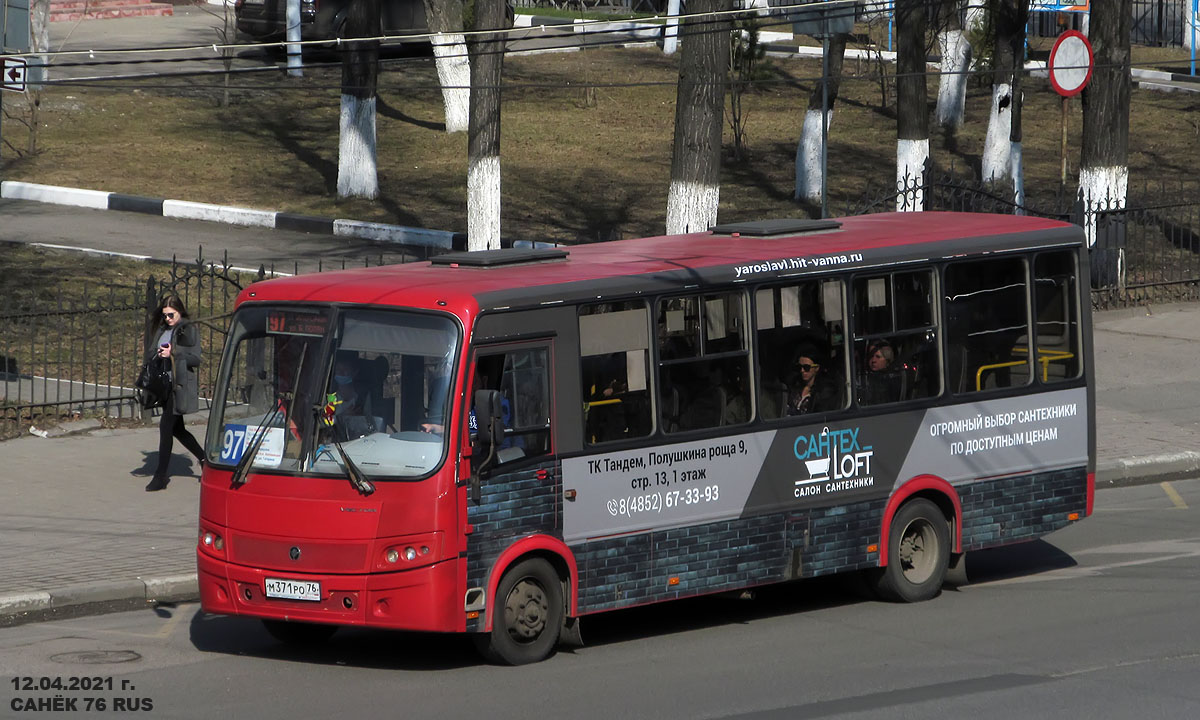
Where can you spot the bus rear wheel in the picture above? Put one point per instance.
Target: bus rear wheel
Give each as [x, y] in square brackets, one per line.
[299, 633]
[527, 615]
[918, 554]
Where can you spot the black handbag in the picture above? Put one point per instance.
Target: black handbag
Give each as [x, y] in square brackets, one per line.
[153, 383]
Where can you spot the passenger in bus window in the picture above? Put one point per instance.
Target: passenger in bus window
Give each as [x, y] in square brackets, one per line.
[882, 383]
[812, 390]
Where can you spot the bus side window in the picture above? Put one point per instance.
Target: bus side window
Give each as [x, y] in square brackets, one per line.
[987, 327]
[614, 357]
[522, 377]
[1056, 312]
[895, 338]
[704, 361]
[793, 323]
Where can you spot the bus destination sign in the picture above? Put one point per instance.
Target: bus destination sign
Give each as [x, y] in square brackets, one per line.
[293, 322]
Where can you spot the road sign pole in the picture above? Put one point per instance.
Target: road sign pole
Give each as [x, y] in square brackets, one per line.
[1063, 176]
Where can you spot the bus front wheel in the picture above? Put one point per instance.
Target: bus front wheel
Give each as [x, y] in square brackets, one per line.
[918, 554]
[527, 615]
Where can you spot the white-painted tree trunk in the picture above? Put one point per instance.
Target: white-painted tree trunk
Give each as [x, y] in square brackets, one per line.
[997, 160]
[911, 156]
[454, 73]
[808, 156]
[671, 31]
[952, 84]
[357, 172]
[483, 204]
[691, 207]
[293, 37]
[1103, 188]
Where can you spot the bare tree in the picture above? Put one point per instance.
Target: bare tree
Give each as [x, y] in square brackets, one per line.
[696, 156]
[912, 113]
[357, 161]
[226, 35]
[955, 51]
[445, 18]
[809, 176]
[39, 69]
[483, 141]
[1103, 163]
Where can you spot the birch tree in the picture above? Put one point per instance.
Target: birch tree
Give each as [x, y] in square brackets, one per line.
[39, 70]
[809, 173]
[483, 138]
[695, 189]
[1103, 163]
[357, 162]
[955, 51]
[445, 19]
[912, 115]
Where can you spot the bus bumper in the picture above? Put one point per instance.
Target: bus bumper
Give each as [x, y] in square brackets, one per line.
[425, 599]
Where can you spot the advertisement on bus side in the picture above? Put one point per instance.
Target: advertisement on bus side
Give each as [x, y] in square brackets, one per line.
[819, 465]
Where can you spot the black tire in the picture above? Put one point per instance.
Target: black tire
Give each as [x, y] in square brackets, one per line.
[527, 615]
[918, 554]
[299, 633]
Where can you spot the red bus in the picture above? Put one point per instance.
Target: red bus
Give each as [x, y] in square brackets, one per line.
[502, 442]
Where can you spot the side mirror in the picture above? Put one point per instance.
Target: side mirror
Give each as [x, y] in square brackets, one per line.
[489, 413]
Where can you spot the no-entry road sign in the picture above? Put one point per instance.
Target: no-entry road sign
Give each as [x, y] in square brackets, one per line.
[12, 73]
[1070, 63]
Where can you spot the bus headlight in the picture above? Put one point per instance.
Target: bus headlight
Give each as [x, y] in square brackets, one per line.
[410, 551]
[212, 542]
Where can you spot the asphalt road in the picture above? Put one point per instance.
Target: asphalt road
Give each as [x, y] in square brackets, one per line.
[1097, 621]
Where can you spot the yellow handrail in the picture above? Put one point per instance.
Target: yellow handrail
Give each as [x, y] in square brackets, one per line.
[1045, 357]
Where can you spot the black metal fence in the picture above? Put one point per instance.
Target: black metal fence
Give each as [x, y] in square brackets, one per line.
[61, 358]
[69, 357]
[1159, 23]
[1144, 250]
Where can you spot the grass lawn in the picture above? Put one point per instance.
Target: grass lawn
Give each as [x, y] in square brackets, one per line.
[576, 165]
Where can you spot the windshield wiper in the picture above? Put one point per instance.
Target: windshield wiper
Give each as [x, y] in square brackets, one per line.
[358, 479]
[241, 471]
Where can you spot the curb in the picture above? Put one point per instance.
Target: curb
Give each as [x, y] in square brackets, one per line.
[104, 597]
[187, 210]
[95, 598]
[1146, 469]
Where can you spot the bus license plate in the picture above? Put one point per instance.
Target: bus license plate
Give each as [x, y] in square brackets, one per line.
[292, 589]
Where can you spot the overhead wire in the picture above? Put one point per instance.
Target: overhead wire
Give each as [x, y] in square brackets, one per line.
[690, 24]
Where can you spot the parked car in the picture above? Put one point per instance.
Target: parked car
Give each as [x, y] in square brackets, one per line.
[324, 19]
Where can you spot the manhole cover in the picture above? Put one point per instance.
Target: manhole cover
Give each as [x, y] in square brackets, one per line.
[96, 657]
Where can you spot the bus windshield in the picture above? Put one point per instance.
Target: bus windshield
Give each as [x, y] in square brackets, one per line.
[306, 384]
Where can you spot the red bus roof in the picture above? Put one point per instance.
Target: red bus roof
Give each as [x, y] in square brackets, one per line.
[423, 284]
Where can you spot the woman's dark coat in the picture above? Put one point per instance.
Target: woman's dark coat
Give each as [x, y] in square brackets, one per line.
[185, 359]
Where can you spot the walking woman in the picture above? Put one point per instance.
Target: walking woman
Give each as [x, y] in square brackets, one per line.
[178, 341]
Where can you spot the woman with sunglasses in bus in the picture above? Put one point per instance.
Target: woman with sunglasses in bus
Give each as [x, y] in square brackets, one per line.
[813, 391]
[178, 343]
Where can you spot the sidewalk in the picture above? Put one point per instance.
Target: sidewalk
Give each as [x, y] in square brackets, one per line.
[78, 534]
